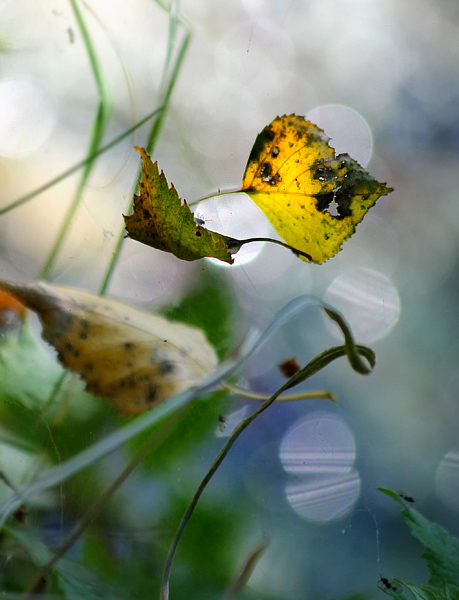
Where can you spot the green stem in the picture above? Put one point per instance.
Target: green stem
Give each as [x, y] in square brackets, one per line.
[98, 129]
[152, 140]
[78, 166]
[315, 365]
[215, 195]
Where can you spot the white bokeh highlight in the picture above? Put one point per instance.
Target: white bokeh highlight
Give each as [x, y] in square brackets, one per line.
[447, 480]
[27, 117]
[319, 453]
[368, 300]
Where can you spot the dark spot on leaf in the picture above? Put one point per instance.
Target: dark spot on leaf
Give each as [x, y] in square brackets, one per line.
[165, 367]
[263, 139]
[88, 367]
[265, 172]
[198, 233]
[76, 354]
[343, 199]
[151, 393]
[323, 201]
[93, 387]
[275, 152]
[324, 174]
[127, 345]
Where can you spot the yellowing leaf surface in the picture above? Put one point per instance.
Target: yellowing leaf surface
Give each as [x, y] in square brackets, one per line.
[131, 358]
[161, 220]
[313, 198]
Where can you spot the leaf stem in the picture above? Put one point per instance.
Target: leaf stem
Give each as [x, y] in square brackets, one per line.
[235, 245]
[240, 391]
[215, 195]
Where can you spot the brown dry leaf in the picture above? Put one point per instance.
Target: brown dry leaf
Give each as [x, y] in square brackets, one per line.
[131, 358]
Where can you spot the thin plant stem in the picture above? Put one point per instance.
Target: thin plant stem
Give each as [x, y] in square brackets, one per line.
[78, 166]
[240, 391]
[164, 595]
[350, 349]
[236, 246]
[174, 11]
[216, 195]
[98, 130]
[152, 140]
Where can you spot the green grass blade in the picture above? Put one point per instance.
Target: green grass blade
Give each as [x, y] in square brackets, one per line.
[31, 195]
[152, 140]
[98, 130]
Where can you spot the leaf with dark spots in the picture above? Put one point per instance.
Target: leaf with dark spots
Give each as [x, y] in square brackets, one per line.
[262, 141]
[313, 198]
[131, 358]
[161, 221]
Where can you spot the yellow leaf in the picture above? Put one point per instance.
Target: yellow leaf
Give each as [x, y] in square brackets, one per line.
[131, 358]
[161, 220]
[313, 198]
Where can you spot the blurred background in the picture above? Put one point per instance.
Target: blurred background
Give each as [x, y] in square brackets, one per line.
[381, 78]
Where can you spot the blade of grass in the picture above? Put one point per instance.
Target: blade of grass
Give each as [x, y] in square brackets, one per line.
[174, 12]
[78, 166]
[246, 570]
[152, 140]
[98, 130]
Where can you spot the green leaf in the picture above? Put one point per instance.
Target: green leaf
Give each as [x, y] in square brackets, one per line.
[441, 555]
[209, 307]
[441, 549]
[161, 221]
[427, 592]
[28, 370]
